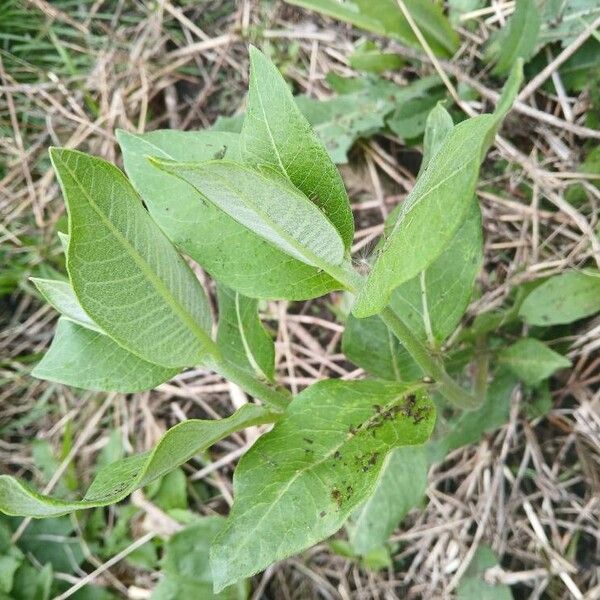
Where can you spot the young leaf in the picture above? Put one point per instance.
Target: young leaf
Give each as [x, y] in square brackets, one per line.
[241, 336]
[230, 252]
[563, 298]
[518, 39]
[298, 483]
[436, 207]
[185, 566]
[385, 18]
[89, 359]
[61, 296]
[116, 481]
[125, 273]
[277, 135]
[532, 361]
[266, 203]
[408, 120]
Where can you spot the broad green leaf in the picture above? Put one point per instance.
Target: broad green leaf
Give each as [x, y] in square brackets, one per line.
[368, 57]
[563, 298]
[402, 483]
[369, 344]
[299, 482]
[266, 203]
[230, 252]
[61, 296]
[277, 135]
[400, 488]
[185, 566]
[125, 273]
[438, 126]
[116, 481]
[532, 361]
[242, 337]
[385, 18]
[473, 585]
[576, 194]
[518, 39]
[436, 207]
[88, 359]
[431, 304]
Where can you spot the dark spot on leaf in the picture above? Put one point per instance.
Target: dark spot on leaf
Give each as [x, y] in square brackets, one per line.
[308, 440]
[336, 496]
[322, 514]
[337, 455]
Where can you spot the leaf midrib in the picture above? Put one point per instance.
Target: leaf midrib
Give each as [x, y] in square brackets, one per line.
[157, 283]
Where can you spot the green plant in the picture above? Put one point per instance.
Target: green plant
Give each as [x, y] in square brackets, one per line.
[265, 212]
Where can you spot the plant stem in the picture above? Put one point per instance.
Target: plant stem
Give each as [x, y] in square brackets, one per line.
[430, 364]
[256, 388]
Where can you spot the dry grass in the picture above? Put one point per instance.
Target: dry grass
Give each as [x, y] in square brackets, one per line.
[531, 490]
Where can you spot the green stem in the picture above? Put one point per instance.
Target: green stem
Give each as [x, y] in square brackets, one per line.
[256, 388]
[430, 364]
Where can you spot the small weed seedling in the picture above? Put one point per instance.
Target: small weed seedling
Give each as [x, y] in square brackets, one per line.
[266, 214]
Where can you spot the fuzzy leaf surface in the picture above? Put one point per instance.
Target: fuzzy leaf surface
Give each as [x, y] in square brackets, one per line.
[242, 337]
[88, 359]
[202, 230]
[563, 299]
[299, 482]
[436, 207]
[276, 134]
[267, 204]
[117, 480]
[125, 273]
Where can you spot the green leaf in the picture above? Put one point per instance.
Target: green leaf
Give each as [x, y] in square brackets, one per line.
[532, 361]
[473, 585]
[211, 237]
[341, 120]
[277, 135]
[299, 482]
[266, 203]
[116, 481]
[400, 488]
[436, 207]
[438, 126]
[369, 344]
[408, 120]
[125, 273]
[185, 566]
[518, 39]
[564, 21]
[402, 483]
[431, 305]
[241, 336]
[563, 298]
[385, 18]
[368, 57]
[91, 360]
[61, 296]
